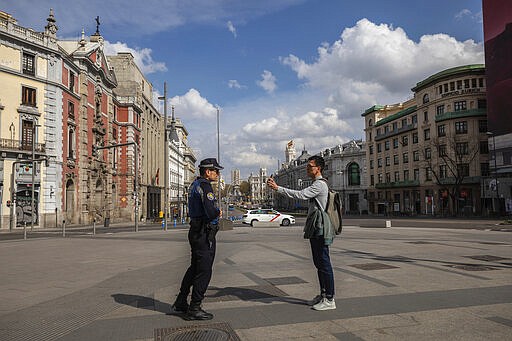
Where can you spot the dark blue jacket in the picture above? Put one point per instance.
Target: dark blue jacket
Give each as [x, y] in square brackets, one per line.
[202, 203]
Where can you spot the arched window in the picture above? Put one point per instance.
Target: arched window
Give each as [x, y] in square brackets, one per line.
[425, 98]
[354, 178]
[370, 122]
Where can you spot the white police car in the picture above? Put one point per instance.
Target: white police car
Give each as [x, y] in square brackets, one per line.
[267, 215]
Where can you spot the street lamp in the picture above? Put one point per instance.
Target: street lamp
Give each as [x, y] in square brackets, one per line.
[496, 209]
[166, 157]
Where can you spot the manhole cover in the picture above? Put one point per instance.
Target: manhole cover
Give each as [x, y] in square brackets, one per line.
[285, 280]
[373, 266]
[472, 267]
[487, 258]
[202, 332]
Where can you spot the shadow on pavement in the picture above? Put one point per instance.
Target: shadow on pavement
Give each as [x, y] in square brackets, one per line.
[143, 302]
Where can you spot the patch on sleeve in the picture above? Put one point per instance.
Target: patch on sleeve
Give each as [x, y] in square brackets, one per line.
[210, 196]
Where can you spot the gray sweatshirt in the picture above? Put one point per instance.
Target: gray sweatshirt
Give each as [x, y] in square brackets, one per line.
[318, 190]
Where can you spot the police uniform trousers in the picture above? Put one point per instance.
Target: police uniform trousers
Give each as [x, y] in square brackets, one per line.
[199, 273]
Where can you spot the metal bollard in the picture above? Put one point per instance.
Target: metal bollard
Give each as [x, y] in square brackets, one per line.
[24, 230]
[94, 227]
[64, 228]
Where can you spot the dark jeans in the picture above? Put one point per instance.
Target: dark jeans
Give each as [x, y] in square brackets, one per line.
[322, 263]
[199, 272]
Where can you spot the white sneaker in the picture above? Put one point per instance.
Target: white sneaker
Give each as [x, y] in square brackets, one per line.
[325, 304]
[317, 299]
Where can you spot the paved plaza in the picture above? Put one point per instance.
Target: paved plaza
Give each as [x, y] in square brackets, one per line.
[398, 283]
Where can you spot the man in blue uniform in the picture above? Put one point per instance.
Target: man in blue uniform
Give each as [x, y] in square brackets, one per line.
[204, 220]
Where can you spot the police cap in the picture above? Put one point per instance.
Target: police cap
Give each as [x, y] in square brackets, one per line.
[210, 163]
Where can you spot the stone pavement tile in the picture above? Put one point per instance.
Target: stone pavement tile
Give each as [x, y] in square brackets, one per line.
[447, 324]
[299, 331]
[375, 322]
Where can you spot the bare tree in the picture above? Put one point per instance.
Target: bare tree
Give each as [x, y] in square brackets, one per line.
[448, 159]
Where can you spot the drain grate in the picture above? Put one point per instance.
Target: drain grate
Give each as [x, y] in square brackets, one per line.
[247, 293]
[285, 280]
[219, 331]
[487, 258]
[472, 267]
[373, 266]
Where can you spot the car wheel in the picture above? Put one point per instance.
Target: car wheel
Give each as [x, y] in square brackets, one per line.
[252, 222]
[285, 222]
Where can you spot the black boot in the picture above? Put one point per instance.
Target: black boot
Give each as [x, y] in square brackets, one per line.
[196, 313]
[180, 305]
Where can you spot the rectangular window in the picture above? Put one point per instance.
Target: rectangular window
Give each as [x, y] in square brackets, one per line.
[466, 83]
[404, 122]
[480, 82]
[459, 105]
[71, 81]
[482, 104]
[428, 153]
[395, 143]
[428, 173]
[443, 171]
[386, 129]
[425, 116]
[405, 140]
[414, 137]
[461, 148]
[386, 145]
[473, 82]
[371, 164]
[379, 163]
[28, 96]
[445, 85]
[482, 126]
[442, 150]
[395, 126]
[28, 64]
[461, 127]
[463, 169]
[370, 150]
[440, 89]
[397, 176]
[372, 180]
[395, 159]
[440, 109]
[452, 86]
[387, 161]
[441, 131]
[405, 157]
[379, 148]
[388, 178]
[380, 178]
[414, 119]
[416, 155]
[426, 134]
[416, 174]
[406, 175]
[484, 147]
[71, 110]
[459, 84]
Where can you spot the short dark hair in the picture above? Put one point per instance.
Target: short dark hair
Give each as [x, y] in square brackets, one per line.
[319, 161]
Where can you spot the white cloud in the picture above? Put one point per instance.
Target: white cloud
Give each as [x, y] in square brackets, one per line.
[466, 13]
[233, 84]
[231, 28]
[268, 82]
[142, 57]
[376, 63]
[192, 105]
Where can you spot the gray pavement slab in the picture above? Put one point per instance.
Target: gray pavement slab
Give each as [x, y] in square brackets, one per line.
[435, 284]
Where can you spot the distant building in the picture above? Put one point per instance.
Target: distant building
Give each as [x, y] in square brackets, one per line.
[259, 192]
[345, 171]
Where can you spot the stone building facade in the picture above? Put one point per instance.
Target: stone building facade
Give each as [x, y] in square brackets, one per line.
[427, 155]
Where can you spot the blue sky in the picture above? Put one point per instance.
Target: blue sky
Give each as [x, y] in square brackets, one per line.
[279, 70]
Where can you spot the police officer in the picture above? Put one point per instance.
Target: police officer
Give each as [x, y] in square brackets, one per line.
[204, 219]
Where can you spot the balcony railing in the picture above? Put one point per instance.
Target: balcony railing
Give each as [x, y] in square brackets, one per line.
[16, 145]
